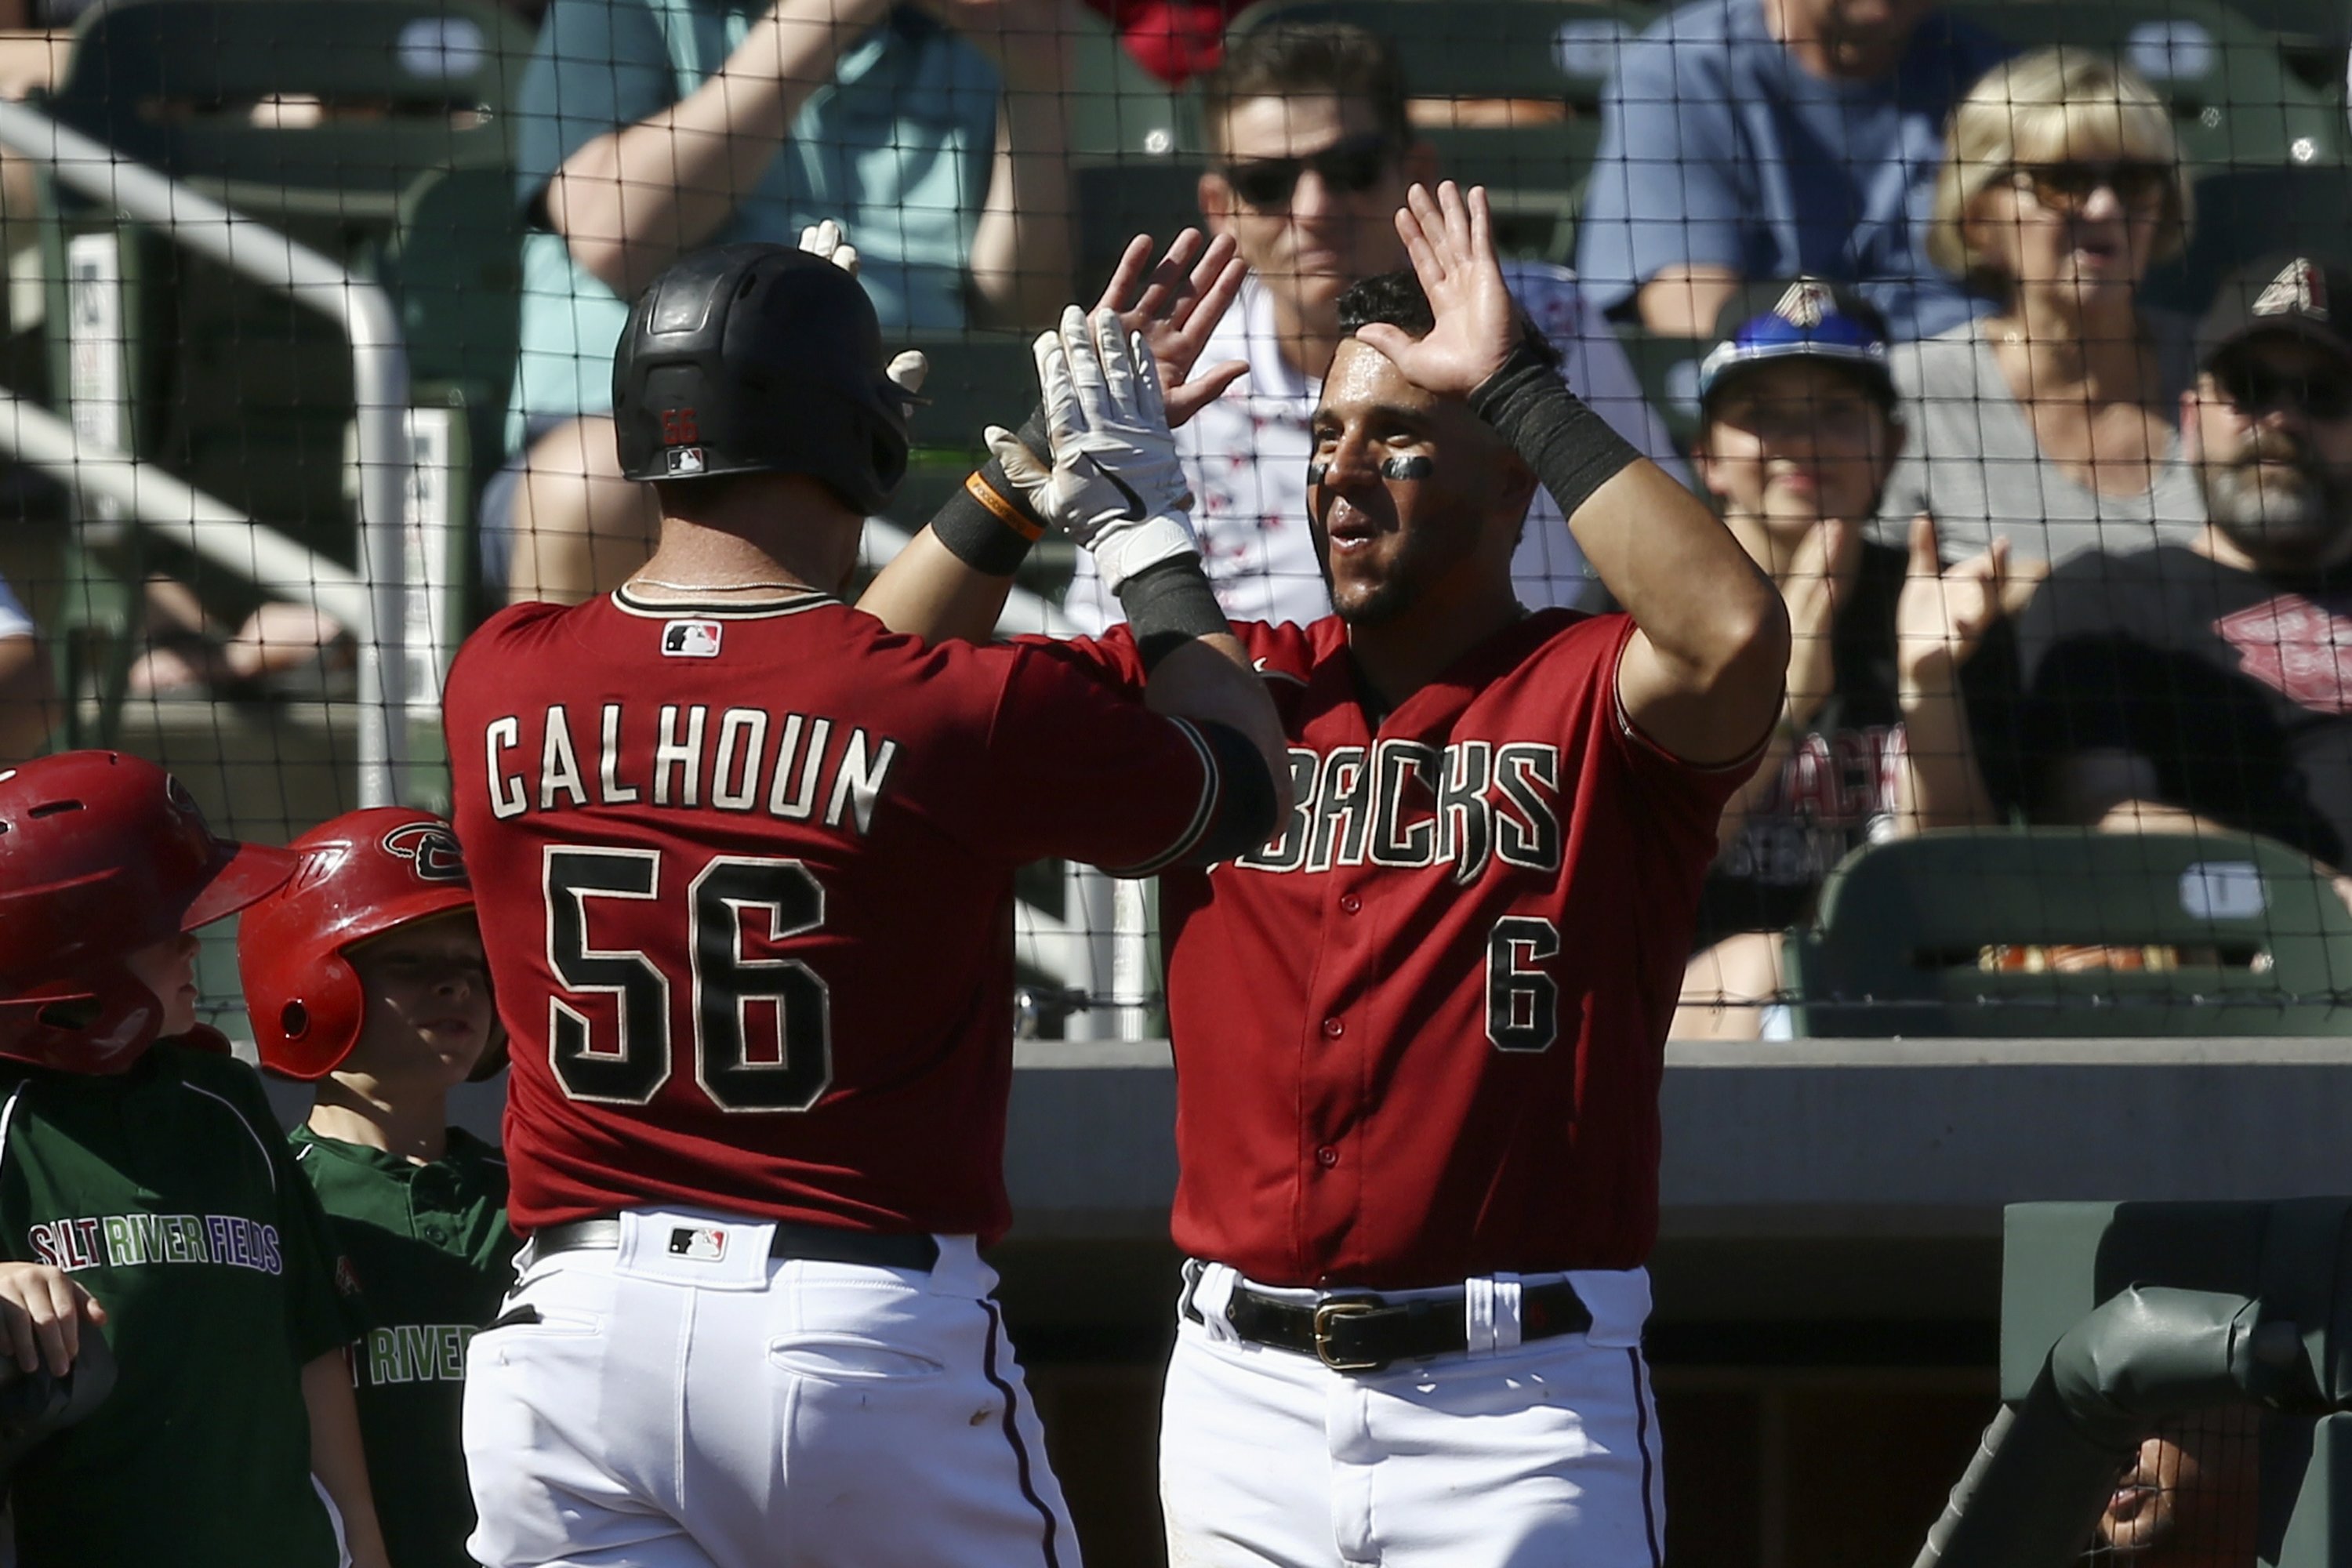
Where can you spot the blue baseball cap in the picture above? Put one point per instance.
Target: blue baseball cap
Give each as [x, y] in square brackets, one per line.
[1804, 318]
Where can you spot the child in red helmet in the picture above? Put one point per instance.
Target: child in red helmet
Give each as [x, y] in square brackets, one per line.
[364, 974]
[145, 1194]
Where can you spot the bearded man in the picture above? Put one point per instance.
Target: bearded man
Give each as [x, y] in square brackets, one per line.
[2210, 685]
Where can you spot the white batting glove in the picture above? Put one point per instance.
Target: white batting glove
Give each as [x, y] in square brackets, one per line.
[830, 240]
[1116, 486]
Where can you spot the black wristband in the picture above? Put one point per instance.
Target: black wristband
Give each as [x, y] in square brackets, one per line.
[988, 524]
[1572, 449]
[1167, 605]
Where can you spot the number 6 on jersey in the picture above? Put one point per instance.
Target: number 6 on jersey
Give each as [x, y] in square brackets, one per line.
[793, 1066]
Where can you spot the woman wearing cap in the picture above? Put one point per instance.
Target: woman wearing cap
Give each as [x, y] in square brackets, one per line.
[2051, 423]
[1798, 433]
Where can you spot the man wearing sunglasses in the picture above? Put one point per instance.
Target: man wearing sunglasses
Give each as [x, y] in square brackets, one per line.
[2210, 686]
[1312, 152]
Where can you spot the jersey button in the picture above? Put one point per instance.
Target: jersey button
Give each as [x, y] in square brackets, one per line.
[1349, 903]
[1333, 1028]
[1327, 1156]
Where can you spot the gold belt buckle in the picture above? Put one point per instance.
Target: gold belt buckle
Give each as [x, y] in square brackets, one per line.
[1326, 1312]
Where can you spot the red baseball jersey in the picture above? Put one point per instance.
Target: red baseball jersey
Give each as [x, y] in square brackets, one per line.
[1419, 1035]
[745, 879]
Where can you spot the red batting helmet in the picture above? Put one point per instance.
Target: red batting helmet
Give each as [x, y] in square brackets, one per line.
[362, 875]
[103, 855]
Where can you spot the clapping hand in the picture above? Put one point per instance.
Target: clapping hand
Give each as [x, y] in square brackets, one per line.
[1818, 575]
[1450, 240]
[1945, 611]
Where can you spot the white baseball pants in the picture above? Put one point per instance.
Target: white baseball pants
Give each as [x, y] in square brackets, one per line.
[1543, 1455]
[737, 1412]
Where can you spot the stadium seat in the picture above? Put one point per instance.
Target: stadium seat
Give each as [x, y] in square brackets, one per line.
[2065, 931]
[2237, 97]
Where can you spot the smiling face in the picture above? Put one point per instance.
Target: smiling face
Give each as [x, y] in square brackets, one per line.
[2191, 1497]
[429, 1012]
[1793, 443]
[168, 968]
[1389, 543]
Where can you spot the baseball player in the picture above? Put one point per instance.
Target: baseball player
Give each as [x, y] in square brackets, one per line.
[146, 1192]
[1419, 1033]
[744, 861]
[364, 974]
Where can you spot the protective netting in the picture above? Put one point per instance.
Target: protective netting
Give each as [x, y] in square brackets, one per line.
[310, 307]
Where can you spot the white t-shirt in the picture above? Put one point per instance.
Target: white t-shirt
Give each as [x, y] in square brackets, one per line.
[13, 621]
[1245, 456]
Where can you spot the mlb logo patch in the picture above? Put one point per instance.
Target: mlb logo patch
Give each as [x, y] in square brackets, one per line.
[698, 1243]
[684, 461]
[691, 639]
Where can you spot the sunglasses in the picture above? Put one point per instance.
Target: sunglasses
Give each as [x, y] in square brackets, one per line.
[2252, 389]
[2068, 187]
[1348, 167]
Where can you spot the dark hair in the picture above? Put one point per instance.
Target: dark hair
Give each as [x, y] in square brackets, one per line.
[1305, 59]
[1398, 300]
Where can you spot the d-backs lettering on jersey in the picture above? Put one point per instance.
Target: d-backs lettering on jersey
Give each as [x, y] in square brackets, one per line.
[171, 1195]
[1419, 1036]
[747, 896]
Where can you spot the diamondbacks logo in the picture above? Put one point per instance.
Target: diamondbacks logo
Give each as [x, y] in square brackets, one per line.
[430, 847]
[2296, 648]
[2300, 288]
[1807, 302]
[691, 639]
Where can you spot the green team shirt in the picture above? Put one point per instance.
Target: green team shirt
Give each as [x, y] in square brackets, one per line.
[170, 1195]
[434, 1255]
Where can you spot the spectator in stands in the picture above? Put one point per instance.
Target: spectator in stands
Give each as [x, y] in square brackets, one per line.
[2192, 1498]
[2053, 422]
[29, 710]
[1751, 139]
[2185, 688]
[1312, 152]
[934, 129]
[1798, 433]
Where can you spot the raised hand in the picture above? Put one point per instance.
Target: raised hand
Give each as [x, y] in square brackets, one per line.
[1174, 305]
[1945, 611]
[1450, 240]
[831, 241]
[1823, 565]
[1116, 486]
[910, 368]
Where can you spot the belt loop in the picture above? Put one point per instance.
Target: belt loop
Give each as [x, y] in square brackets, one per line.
[1509, 1325]
[1478, 1316]
[1191, 1272]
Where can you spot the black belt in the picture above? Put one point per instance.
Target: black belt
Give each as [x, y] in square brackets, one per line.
[1356, 1332]
[805, 1243]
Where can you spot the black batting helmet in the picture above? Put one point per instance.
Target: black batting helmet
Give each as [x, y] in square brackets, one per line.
[751, 359]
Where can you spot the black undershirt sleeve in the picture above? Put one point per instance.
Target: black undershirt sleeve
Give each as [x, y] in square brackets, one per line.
[1245, 818]
[1572, 449]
